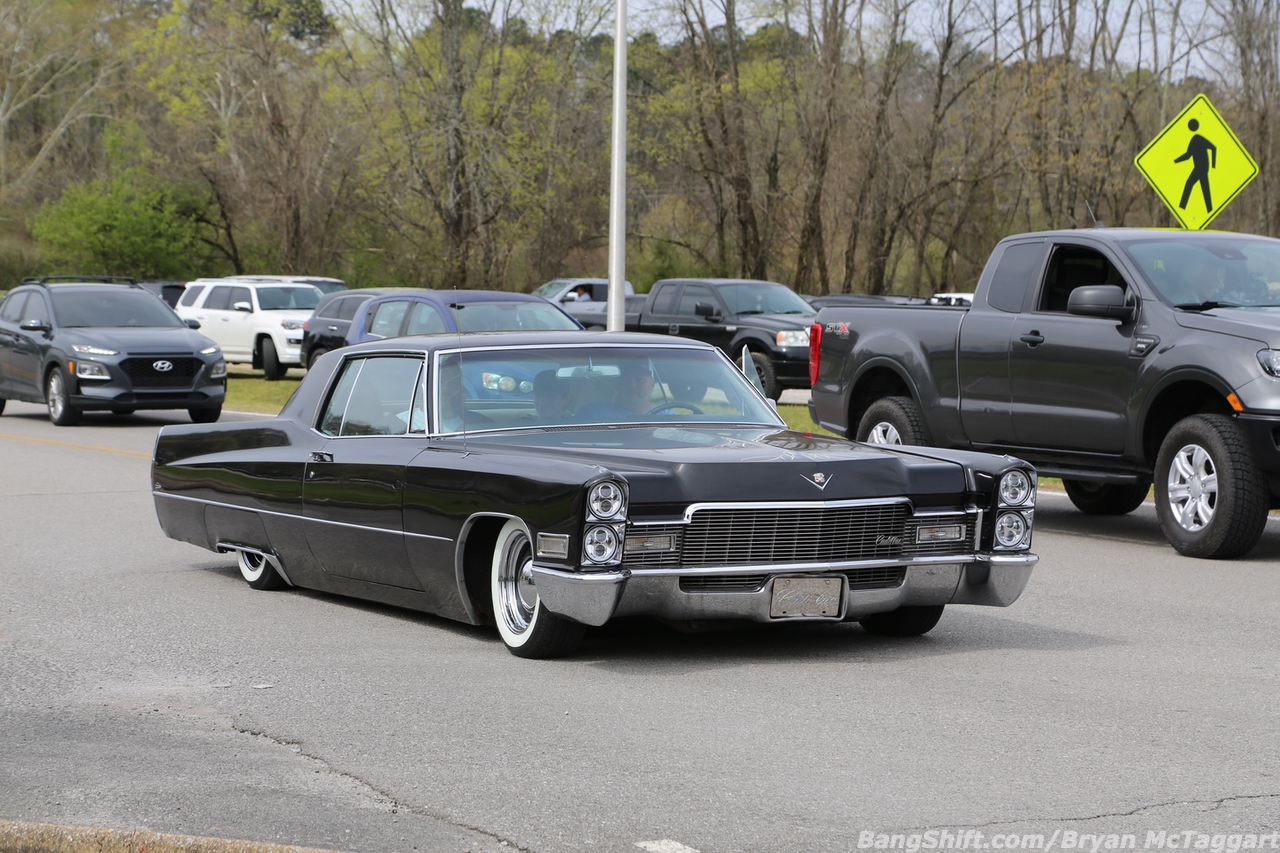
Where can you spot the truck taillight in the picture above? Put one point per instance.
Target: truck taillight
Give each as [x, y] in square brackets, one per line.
[815, 349]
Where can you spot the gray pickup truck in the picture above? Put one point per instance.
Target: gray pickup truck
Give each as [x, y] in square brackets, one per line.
[1111, 358]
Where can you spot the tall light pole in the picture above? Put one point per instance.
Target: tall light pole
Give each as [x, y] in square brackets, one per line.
[617, 320]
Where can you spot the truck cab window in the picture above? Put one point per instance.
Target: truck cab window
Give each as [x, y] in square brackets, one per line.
[1019, 264]
[1071, 267]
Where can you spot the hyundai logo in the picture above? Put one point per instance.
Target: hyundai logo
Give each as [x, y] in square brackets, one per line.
[162, 366]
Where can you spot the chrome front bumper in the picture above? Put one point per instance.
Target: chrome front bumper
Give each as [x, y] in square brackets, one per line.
[595, 597]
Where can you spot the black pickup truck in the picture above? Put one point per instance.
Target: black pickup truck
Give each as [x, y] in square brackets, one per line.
[1111, 358]
[769, 319]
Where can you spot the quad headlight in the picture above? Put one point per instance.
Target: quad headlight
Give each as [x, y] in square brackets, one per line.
[607, 500]
[601, 544]
[606, 524]
[1015, 510]
[1016, 488]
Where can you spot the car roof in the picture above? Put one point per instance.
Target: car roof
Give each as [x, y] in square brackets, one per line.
[1127, 234]
[461, 297]
[488, 340]
[80, 281]
[365, 292]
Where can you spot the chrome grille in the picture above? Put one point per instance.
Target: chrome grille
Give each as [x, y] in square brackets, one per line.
[871, 578]
[772, 535]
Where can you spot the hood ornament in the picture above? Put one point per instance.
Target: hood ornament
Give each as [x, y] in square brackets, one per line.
[819, 479]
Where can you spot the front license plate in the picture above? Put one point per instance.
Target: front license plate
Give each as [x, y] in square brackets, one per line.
[806, 597]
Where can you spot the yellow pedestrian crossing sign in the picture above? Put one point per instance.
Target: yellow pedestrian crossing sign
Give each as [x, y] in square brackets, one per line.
[1196, 165]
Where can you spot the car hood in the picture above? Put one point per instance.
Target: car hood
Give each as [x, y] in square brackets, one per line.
[1259, 324]
[776, 322]
[134, 341]
[680, 465]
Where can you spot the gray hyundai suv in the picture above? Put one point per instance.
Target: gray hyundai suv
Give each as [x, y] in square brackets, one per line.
[81, 343]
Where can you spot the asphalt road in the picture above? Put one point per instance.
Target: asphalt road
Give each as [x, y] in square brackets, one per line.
[144, 685]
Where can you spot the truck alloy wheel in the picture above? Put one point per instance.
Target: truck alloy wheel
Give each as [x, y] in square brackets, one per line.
[1211, 499]
[892, 420]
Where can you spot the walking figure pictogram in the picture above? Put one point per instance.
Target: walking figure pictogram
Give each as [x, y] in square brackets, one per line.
[1203, 155]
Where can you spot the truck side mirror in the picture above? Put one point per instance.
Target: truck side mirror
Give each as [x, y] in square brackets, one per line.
[705, 309]
[243, 306]
[1101, 300]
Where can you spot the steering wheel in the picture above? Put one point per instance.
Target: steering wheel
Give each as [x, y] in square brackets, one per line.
[666, 408]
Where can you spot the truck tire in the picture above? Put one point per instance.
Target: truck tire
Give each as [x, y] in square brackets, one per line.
[272, 369]
[1106, 498]
[1211, 500]
[892, 420]
[768, 376]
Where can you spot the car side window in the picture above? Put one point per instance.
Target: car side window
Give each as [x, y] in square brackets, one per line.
[1071, 267]
[376, 396]
[240, 294]
[348, 307]
[386, 318]
[191, 294]
[665, 302]
[12, 308]
[424, 319]
[693, 294]
[219, 299]
[1014, 272]
[36, 309]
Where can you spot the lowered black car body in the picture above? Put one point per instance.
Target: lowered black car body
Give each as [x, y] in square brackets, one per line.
[501, 478]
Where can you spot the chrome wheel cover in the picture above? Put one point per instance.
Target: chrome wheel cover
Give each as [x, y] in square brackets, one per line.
[1193, 488]
[56, 396]
[252, 565]
[517, 595]
[884, 433]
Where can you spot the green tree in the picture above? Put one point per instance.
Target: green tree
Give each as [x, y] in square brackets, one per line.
[120, 226]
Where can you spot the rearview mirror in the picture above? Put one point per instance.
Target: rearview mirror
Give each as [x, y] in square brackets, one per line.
[243, 306]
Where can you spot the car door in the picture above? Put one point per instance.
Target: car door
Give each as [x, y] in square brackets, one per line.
[27, 353]
[693, 324]
[218, 320]
[10, 317]
[1072, 377]
[353, 486]
[982, 344]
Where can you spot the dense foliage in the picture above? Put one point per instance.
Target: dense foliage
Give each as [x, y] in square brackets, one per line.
[842, 145]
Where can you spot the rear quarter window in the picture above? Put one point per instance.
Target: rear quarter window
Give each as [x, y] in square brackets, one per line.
[1017, 272]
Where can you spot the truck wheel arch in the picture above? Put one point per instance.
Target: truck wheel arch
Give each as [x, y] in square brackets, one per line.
[878, 378]
[1177, 396]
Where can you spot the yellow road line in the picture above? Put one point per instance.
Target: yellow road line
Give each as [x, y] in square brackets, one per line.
[75, 445]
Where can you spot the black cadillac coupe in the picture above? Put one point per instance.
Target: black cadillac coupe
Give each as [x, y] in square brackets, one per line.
[546, 482]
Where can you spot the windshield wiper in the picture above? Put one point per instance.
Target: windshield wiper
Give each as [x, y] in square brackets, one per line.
[1206, 306]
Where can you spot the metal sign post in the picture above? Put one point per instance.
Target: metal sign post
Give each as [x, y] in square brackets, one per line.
[616, 315]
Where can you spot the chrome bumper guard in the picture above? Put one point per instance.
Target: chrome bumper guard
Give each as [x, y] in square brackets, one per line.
[592, 598]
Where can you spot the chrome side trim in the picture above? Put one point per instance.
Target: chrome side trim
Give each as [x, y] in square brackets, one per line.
[206, 502]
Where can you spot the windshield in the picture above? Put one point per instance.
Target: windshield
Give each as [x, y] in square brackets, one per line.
[592, 385]
[281, 298]
[510, 316]
[122, 307]
[1210, 270]
[763, 297]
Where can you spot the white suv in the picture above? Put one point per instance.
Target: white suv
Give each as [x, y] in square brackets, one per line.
[256, 320]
